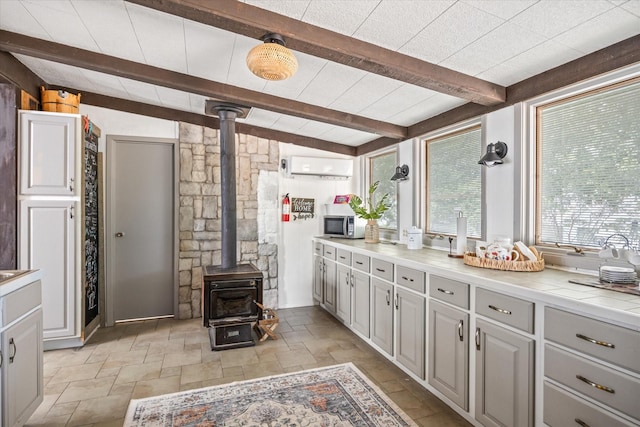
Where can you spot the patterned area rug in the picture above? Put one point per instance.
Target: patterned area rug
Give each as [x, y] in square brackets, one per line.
[333, 396]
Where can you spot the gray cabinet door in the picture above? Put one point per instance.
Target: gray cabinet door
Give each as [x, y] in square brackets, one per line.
[382, 317]
[343, 303]
[318, 278]
[448, 352]
[504, 376]
[410, 331]
[361, 303]
[330, 278]
[22, 369]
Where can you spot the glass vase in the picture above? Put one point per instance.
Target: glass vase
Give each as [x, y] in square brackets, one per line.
[372, 232]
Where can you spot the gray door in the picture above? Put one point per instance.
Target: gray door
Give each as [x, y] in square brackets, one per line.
[382, 318]
[142, 226]
[410, 331]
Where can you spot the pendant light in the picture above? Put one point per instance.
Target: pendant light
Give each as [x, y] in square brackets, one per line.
[272, 60]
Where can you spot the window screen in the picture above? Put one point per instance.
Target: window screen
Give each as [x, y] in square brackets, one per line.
[454, 182]
[382, 169]
[589, 167]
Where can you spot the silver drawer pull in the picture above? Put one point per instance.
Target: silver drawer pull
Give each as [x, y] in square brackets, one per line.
[460, 333]
[580, 422]
[359, 262]
[380, 270]
[444, 291]
[406, 278]
[591, 340]
[595, 385]
[343, 257]
[499, 310]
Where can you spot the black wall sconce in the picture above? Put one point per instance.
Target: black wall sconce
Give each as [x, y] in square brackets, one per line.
[402, 173]
[495, 154]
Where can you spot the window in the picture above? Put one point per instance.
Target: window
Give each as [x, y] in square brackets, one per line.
[381, 169]
[454, 182]
[588, 162]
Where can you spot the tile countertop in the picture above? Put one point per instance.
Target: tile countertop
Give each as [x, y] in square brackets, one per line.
[19, 280]
[550, 286]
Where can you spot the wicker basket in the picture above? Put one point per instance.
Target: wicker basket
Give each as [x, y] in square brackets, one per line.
[494, 264]
[59, 101]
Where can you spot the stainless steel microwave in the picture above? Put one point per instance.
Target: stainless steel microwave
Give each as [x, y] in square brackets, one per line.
[344, 226]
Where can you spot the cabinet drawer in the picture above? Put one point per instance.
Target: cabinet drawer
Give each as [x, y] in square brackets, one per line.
[20, 302]
[605, 341]
[410, 278]
[382, 269]
[508, 310]
[606, 385]
[361, 262]
[562, 408]
[344, 257]
[317, 248]
[451, 291]
[329, 252]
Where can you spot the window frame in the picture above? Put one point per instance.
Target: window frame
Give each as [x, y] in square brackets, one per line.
[439, 240]
[386, 232]
[560, 257]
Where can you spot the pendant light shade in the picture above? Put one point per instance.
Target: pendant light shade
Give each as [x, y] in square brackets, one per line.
[272, 60]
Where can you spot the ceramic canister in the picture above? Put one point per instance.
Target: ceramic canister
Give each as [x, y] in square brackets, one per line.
[414, 238]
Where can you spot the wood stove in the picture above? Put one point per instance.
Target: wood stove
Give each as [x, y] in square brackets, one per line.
[228, 304]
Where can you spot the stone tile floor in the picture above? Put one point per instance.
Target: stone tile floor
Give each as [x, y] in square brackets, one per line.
[92, 386]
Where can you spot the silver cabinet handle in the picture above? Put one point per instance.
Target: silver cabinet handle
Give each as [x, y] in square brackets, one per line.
[406, 278]
[396, 302]
[119, 234]
[444, 291]
[1, 359]
[388, 297]
[460, 332]
[12, 343]
[595, 385]
[591, 340]
[71, 184]
[477, 338]
[359, 262]
[343, 257]
[499, 310]
[381, 270]
[71, 212]
[352, 280]
[581, 423]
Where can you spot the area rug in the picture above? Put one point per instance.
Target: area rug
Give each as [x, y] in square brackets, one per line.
[335, 396]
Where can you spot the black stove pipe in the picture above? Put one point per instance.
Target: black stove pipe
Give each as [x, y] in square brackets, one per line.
[228, 184]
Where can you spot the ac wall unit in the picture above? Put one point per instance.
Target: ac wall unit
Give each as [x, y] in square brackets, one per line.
[324, 167]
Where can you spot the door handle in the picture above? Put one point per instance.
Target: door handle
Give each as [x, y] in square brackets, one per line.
[396, 303]
[388, 297]
[71, 212]
[477, 338]
[12, 343]
[460, 332]
[119, 234]
[71, 184]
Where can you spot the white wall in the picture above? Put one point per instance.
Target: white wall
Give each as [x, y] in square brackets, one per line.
[295, 275]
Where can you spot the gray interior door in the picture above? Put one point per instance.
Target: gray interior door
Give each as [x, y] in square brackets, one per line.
[142, 224]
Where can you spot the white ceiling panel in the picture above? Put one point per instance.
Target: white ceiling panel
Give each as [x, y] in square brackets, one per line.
[346, 136]
[604, 30]
[142, 92]
[382, 26]
[370, 89]
[552, 17]
[262, 118]
[239, 74]
[426, 109]
[174, 98]
[631, 6]
[501, 44]
[15, 17]
[341, 16]
[308, 69]
[330, 83]
[456, 28]
[289, 122]
[315, 129]
[505, 9]
[110, 27]
[291, 8]
[161, 37]
[401, 99]
[197, 103]
[208, 51]
[60, 20]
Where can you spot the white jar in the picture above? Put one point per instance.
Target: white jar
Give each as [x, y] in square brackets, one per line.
[414, 238]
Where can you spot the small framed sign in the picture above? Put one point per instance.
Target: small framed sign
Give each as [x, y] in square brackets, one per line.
[302, 208]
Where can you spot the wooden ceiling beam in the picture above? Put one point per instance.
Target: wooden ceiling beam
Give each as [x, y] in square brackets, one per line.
[149, 110]
[251, 21]
[608, 59]
[43, 49]
[15, 72]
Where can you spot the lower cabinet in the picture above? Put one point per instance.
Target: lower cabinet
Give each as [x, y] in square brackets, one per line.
[361, 303]
[410, 320]
[504, 376]
[318, 278]
[343, 289]
[382, 315]
[448, 352]
[329, 285]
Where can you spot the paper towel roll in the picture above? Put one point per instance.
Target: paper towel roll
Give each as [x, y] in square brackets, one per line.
[461, 235]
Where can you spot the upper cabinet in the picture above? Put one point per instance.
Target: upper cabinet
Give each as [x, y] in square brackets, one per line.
[48, 163]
